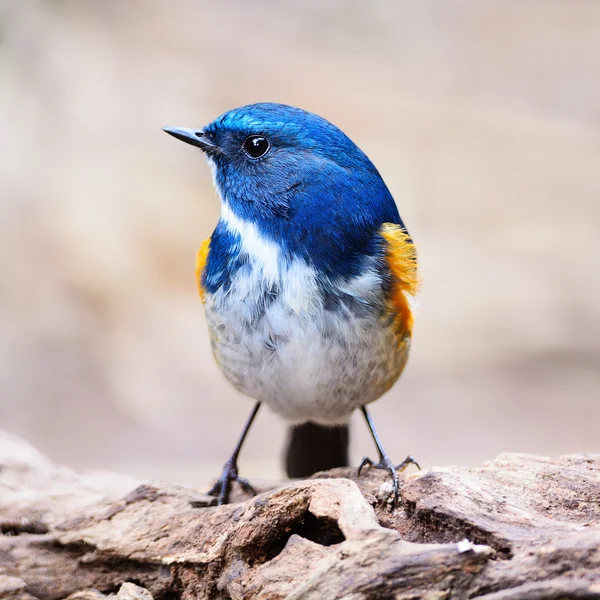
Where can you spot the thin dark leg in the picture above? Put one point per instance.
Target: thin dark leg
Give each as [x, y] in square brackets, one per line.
[373, 431]
[222, 486]
[384, 460]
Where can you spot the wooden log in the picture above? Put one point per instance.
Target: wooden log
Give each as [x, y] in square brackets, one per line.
[520, 527]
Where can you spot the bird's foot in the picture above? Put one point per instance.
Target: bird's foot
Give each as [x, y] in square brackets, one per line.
[222, 486]
[386, 463]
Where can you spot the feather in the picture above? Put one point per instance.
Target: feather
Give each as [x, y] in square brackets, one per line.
[201, 257]
[401, 257]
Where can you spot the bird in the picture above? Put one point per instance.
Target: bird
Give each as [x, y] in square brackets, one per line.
[308, 281]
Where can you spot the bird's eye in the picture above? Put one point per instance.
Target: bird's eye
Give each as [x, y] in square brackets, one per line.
[256, 146]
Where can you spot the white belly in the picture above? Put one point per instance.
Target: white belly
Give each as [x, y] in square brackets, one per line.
[309, 355]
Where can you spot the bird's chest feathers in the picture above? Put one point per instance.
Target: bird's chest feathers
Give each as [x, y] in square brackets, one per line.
[263, 290]
[281, 337]
[247, 272]
[282, 330]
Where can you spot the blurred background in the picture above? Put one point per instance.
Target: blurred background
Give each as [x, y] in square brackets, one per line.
[484, 120]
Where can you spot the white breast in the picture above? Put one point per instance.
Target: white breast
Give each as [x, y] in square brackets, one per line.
[310, 355]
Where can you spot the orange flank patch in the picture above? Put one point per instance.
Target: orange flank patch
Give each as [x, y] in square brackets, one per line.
[201, 256]
[401, 256]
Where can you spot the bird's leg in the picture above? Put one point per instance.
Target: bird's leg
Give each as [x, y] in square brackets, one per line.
[222, 486]
[384, 460]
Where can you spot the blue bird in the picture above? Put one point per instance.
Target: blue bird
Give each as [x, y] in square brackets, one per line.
[307, 280]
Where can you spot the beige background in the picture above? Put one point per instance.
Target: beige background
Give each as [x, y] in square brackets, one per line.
[484, 120]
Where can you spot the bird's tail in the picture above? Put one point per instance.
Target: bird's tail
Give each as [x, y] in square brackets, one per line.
[313, 448]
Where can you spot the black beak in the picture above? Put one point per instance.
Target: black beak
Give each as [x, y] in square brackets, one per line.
[193, 137]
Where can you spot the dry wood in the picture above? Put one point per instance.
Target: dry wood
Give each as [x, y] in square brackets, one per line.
[519, 528]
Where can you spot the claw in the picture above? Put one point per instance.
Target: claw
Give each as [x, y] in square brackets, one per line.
[365, 462]
[386, 463]
[409, 460]
[222, 486]
[245, 485]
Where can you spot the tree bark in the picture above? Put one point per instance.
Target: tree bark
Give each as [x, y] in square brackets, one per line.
[520, 527]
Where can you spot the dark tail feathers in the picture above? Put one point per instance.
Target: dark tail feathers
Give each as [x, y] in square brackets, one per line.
[313, 448]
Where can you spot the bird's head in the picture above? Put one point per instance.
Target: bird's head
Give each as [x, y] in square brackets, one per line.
[298, 178]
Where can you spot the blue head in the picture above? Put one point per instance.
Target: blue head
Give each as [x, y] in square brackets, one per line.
[300, 180]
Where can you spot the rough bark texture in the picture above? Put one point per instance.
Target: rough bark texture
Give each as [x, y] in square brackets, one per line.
[519, 528]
